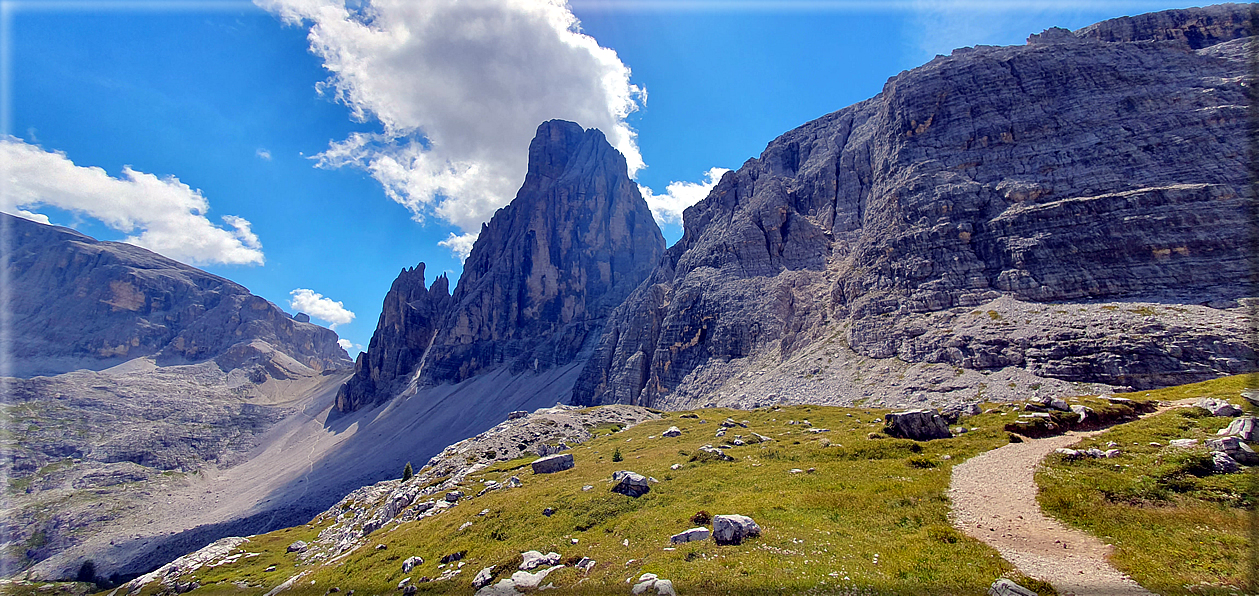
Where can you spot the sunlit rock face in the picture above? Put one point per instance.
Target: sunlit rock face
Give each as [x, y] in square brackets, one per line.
[1104, 165]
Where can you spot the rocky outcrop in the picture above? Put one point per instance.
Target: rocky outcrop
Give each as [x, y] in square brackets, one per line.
[76, 302]
[542, 276]
[549, 267]
[409, 320]
[1096, 168]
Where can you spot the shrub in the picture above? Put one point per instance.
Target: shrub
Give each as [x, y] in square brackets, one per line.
[407, 472]
[616, 455]
[702, 518]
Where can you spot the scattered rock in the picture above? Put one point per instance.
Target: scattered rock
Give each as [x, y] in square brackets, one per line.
[649, 581]
[525, 581]
[1183, 443]
[630, 483]
[586, 564]
[1218, 407]
[517, 414]
[1081, 411]
[675, 467]
[549, 511]
[483, 577]
[1244, 428]
[381, 547]
[1221, 463]
[298, 547]
[406, 581]
[691, 535]
[1235, 449]
[1005, 587]
[919, 425]
[533, 559]
[1069, 453]
[553, 463]
[514, 482]
[710, 453]
[452, 557]
[733, 529]
[672, 432]
[453, 496]
[410, 564]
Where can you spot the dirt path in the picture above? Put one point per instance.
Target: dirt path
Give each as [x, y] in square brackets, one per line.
[994, 500]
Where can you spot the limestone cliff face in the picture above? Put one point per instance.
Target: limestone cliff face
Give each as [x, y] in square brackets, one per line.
[541, 278]
[1108, 164]
[409, 320]
[76, 303]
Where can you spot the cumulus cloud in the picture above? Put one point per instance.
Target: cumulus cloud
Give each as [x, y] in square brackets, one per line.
[460, 244]
[668, 207]
[36, 217]
[316, 305]
[459, 88]
[350, 347]
[162, 214]
[263, 154]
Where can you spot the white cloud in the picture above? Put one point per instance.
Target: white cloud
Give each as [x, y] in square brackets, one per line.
[350, 347]
[165, 215]
[324, 309]
[263, 154]
[459, 88]
[460, 244]
[668, 207]
[37, 217]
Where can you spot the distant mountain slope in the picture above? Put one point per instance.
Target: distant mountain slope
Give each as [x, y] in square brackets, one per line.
[76, 302]
[1108, 165]
[542, 276]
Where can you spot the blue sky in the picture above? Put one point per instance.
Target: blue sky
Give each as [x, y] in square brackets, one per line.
[341, 152]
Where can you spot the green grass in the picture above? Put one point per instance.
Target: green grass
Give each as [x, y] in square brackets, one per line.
[1176, 528]
[863, 497]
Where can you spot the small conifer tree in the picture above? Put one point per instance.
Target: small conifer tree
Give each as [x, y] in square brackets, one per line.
[407, 473]
[616, 454]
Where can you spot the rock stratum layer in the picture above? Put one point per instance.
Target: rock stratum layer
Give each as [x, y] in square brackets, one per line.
[1108, 165]
[541, 278]
[76, 302]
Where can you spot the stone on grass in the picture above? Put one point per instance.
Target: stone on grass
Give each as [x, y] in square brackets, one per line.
[1183, 443]
[630, 483]
[514, 482]
[517, 414]
[1068, 453]
[453, 496]
[1245, 428]
[733, 529]
[1005, 587]
[672, 432]
[1082, 411]
[1218, 407]
[1221, 463]
[919, 425]
[410, 564]
[531, 559]
[691, 535]
[406, 581]
[483, 578]
[298, 547]
[1235, 449]
[525, 581]
[586, 564]
[649, 581]
[553, 463]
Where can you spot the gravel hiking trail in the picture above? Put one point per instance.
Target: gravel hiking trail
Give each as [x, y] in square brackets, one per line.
[994, 500]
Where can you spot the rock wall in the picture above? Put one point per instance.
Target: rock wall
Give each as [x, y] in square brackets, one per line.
[409, 320]
[76, 302]
[1108, 164]
[542, 276]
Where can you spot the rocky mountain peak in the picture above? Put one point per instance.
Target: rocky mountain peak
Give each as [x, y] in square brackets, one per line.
[409, 320]
[77, 302]
[542, 276]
